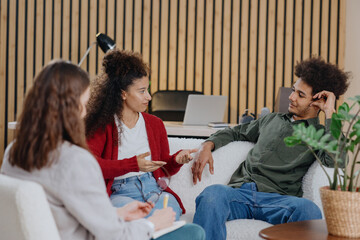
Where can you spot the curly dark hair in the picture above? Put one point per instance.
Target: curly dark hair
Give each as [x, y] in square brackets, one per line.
[50, 115]
[120, 70]
[321, 75]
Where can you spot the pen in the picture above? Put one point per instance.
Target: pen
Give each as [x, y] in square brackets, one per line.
[166, 198]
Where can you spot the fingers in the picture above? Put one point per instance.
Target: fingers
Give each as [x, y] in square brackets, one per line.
[327, 103]
[195, 171]
[154, 165]
[200, 170]
[211, 165]
[161, 163]
[188, 156]
[144, 155]
[185, 156]
[147, 208]
[150, 166]
[193, 150]
[323, 94]
[317, 104]
[143, 204]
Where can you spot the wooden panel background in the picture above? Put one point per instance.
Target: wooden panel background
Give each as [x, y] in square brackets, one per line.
[245, 49]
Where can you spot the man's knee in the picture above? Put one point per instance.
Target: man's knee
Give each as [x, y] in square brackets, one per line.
[212, 195]
[306, 210]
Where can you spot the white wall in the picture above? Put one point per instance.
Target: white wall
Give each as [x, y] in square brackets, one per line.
[352, 46]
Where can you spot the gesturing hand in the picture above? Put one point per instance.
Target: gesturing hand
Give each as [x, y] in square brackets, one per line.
[184, 156]
[326, 102]
[205, 157]
[146, 165]
[134, 210]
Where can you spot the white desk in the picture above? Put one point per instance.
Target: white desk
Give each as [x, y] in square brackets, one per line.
[12, 125]
[178, 129]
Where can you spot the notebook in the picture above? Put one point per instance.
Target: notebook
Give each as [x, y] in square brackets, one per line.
[176, 225]
[202, 109]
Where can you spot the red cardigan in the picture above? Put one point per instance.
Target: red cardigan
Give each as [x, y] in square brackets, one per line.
[105, 150]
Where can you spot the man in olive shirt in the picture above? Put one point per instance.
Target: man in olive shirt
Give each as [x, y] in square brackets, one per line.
[267, 185]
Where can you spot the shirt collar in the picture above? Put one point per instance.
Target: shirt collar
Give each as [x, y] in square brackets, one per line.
[309, 121]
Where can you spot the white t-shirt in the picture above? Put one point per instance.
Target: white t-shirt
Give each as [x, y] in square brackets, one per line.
[133, 142]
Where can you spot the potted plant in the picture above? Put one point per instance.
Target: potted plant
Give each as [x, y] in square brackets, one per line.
[341, 199]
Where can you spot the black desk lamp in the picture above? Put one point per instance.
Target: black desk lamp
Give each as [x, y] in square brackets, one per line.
[103, 41]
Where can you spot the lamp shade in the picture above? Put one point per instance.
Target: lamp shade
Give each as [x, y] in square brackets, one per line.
[104, 42]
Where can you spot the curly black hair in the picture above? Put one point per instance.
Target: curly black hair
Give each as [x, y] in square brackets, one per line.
[321, 75]
[119, 71]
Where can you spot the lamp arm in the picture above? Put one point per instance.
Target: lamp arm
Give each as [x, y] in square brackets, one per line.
[86, 53]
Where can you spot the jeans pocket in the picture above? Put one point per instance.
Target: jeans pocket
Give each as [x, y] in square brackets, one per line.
[117, 187]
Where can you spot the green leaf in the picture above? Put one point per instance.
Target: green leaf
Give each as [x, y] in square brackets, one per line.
[339, 160]
[345, 107]
[335, 126]
[292, 141]
[312, 131]
[331, 147]
[351, 147]
[352, 134]
[345, 116]
[325, 138]
[357, 140]
[319, 134]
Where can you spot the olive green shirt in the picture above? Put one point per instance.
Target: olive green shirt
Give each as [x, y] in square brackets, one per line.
[272, 165]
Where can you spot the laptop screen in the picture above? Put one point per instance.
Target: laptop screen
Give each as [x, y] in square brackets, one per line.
[202, 109]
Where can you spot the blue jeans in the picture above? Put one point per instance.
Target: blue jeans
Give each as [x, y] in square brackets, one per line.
[219, 203]
[188, 231]
[125, 191]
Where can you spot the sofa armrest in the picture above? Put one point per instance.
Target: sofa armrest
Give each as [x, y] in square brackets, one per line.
[25, 211]
[313, 180]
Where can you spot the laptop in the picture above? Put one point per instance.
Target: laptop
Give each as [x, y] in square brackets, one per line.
[202, 109]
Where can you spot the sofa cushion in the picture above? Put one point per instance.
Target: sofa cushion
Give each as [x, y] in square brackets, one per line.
[245, 229]
[226, 160]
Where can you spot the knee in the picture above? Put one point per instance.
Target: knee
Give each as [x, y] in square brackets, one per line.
[211, 195]
[308, 209]
[193, 231]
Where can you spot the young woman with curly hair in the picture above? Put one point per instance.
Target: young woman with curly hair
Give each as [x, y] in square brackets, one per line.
[130, 145]
[50, 148]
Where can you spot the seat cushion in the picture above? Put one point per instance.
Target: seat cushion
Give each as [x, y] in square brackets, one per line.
[245, 229]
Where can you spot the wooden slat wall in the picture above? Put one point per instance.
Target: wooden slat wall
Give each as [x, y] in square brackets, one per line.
[245, 49]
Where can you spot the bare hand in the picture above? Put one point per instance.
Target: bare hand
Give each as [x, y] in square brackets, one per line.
[184, 156]
[134, 210]
[205, 157]
[326, 102]
[163, 218]
[146, 165]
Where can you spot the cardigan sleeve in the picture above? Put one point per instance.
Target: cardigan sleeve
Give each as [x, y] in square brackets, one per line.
[102, 146]
[172, 166]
